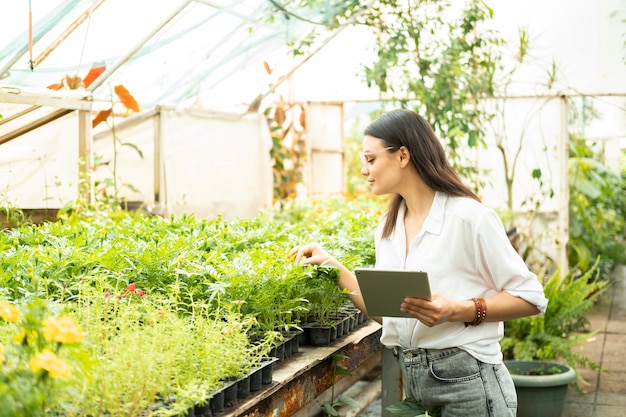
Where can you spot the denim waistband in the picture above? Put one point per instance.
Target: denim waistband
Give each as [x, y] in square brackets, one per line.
[424, 356]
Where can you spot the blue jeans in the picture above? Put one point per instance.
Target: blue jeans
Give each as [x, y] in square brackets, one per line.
[454, 382]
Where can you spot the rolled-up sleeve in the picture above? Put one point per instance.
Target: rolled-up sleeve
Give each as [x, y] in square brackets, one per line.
[498, 260]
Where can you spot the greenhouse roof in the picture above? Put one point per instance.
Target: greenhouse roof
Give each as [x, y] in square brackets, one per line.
[162, 51]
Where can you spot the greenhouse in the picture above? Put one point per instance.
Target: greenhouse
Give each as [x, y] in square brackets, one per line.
[191, 190]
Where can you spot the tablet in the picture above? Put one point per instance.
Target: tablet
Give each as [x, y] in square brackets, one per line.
[383, 290]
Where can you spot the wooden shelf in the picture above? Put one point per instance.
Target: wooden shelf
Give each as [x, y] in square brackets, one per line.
[302, 381]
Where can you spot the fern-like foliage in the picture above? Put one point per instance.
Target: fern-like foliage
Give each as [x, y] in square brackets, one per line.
[564, 324]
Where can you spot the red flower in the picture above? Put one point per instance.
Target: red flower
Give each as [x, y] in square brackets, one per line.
[132, 288]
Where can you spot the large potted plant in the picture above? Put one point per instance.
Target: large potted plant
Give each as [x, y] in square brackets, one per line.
[539, 351]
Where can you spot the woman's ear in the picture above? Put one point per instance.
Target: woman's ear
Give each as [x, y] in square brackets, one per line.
[405, 156]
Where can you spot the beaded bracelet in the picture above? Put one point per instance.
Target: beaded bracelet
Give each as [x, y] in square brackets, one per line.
[481, 312]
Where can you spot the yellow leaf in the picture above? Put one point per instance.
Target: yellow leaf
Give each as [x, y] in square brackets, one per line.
[74, 82]
[280, 115]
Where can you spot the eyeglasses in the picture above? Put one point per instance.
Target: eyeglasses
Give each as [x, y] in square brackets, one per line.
[364, 155]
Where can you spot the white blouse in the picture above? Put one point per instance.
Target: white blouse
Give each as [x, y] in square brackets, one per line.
[465, 251]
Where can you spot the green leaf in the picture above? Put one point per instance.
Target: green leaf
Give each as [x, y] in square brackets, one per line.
[338, 357]
[344, 399]
[406, 408]
[341, 370]
[329, 410]
[133, 146]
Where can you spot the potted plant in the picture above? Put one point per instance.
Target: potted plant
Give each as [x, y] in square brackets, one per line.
[538, 351]
[324, 301]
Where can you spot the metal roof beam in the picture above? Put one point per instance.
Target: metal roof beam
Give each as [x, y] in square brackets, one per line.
[72, 99]
[34, 125]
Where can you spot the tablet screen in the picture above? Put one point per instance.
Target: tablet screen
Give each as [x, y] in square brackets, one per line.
[383, 290]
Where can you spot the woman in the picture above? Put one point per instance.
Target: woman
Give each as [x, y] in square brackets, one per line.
[449, 351]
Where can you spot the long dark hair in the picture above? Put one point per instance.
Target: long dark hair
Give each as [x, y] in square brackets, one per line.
[402, 127]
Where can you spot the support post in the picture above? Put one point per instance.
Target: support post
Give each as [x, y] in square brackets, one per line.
[563, 157]
[85, 156]
[160, 193]
[393, 389]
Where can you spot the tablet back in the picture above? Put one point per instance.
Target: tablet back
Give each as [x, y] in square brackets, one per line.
[383, 289]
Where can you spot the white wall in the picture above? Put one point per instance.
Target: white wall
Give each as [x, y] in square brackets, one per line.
[40, 168]
[214, 163]
[325, 171]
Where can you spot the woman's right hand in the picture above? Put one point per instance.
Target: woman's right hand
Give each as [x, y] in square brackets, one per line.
[310, 254]
[314, 254]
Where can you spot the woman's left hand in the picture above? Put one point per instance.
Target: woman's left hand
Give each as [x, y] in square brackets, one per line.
[430, 312]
